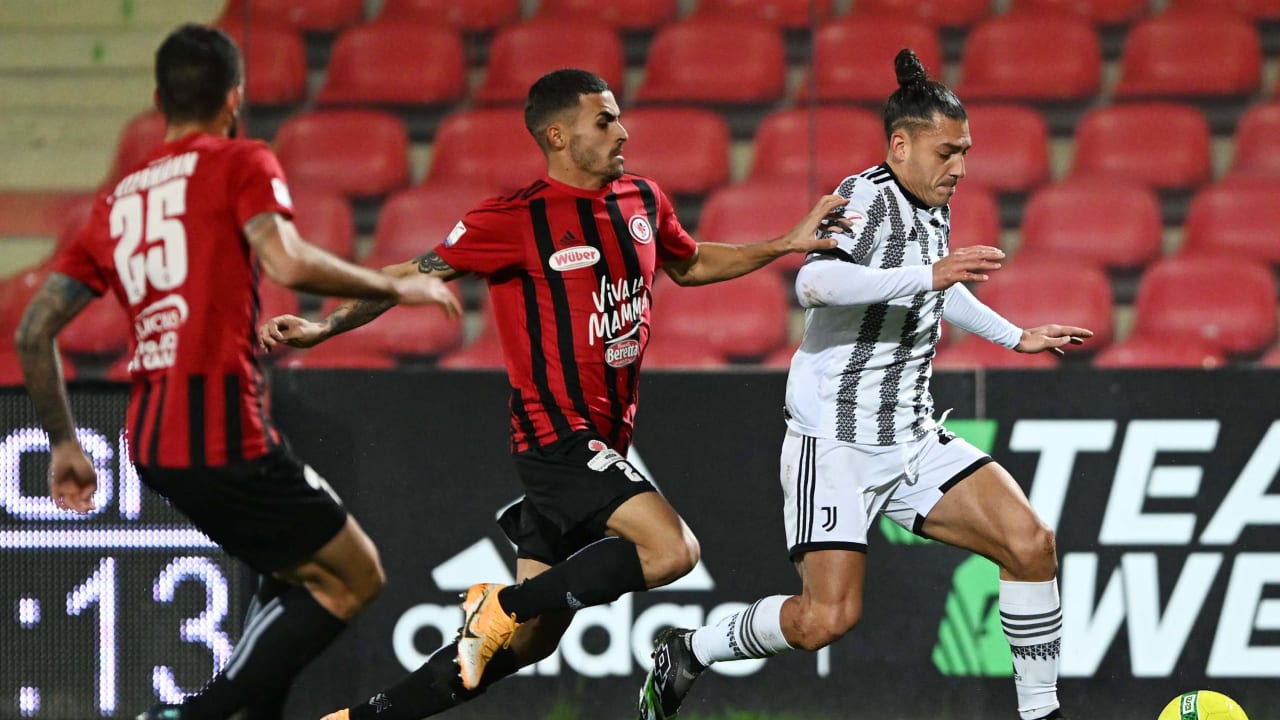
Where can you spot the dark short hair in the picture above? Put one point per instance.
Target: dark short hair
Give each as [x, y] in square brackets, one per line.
[917, 99]
[556, 92]
[196, 66]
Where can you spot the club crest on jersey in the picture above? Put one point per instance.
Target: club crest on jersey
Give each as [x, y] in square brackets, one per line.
[574, 257]
[641, 232]
[455, 234]
[622, 353]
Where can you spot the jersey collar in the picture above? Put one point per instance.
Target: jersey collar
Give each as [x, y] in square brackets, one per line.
[911, 198]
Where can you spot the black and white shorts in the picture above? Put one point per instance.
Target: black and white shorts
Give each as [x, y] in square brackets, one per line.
[571, 489]
[273, 512]
[833, 490]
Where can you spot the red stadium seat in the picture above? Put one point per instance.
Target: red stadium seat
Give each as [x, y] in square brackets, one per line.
[392, 64]
[867, 76]
[489, 147]
[690, 61]
[1238, 219]
[102, 328]
[624, 15]
[746, 317]
[483, 352]
[1148, 352]
[936, 13]
[275, 62]
[139, 136]
[1185, 54]
[1113, 223]
[755, 211]
[1257, 142]
[355, 152]
[1031, 58]
[323, 218]
[780, 358]
[1164, 146]
[308, 15]
[472, 16]
[1271, 359]
[790, 14]
[1226, 302]
[1252, 9]
[405, 331]
[694, 166]
[339, 354]
[667, 352]
[415, 220]
[520, 54]
[275, 300]
[821, 144]
[1031, 291]
[975, 217]
[1098, 12]
[976, 353]
[1011, 147]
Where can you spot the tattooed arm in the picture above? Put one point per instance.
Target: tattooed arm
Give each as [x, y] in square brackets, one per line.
[72, 479]
[298, 332]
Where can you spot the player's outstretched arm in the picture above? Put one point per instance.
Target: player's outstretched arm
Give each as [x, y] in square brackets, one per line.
[72, 480]
[302, 333]
[715, 262]
[1052, 338]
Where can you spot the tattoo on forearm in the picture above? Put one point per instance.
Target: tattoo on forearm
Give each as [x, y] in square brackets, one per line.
[58, 301]
[431, 262]
[354, 313]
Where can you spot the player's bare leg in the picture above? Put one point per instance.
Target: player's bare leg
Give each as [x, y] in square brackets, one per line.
[989, 514]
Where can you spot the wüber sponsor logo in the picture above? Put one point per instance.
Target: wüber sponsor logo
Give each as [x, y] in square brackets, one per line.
[574, 258]
[622, 353]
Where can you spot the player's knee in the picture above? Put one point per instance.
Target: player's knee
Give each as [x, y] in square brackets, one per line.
[822, 624]
[673, 561]
[1034, 556]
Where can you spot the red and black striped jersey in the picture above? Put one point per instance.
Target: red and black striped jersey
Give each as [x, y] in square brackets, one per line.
[167, 240]
[570, 273]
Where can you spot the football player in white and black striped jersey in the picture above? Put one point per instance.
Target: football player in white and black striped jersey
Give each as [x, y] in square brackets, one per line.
[861, 437]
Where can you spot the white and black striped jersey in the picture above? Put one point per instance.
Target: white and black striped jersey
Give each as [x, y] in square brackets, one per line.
[861, 374]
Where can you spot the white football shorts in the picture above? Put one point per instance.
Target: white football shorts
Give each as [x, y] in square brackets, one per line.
[833, 490]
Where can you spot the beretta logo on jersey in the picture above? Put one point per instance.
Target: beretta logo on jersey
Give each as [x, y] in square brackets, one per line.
[622, 353]
[640, 230]
[574, 258]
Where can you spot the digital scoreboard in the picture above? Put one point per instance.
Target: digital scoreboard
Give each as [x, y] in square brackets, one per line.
[105, 614]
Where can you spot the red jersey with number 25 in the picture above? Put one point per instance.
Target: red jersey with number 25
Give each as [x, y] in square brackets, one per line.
[168, 242]
[570, 273]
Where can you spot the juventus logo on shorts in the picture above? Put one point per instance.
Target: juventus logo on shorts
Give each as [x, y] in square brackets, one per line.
[828, 517]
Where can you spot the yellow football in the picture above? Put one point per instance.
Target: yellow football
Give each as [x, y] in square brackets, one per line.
[1202, 705]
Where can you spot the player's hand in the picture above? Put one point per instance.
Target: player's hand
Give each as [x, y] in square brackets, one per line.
[72, 479]
[826, 216]
[418, 289]
[968, 264]
[1051, 338]
[290, 330]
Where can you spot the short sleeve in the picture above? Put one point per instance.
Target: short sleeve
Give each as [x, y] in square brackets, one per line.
[76, 260]
[674, 242]
[259, 184]
[487, 240]
[866, 212]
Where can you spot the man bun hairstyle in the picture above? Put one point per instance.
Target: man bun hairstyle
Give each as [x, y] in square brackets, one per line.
[913, 105]
[196, 66]
[556, 92]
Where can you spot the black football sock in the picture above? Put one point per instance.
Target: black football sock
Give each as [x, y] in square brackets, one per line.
[271, 705]
[288, 632]
[433, 688]
[598, 573]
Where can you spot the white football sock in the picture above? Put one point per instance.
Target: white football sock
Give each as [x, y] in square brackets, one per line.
[1032, 618]
[753, 633]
